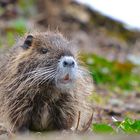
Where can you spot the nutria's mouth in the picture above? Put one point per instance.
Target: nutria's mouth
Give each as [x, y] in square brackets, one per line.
[66, 79]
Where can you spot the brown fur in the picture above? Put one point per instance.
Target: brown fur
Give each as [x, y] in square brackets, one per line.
[35, 104]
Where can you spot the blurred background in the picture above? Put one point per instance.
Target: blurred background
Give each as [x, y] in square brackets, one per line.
[107, 33]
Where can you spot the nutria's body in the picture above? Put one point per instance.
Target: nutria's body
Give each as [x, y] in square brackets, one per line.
[42, 86]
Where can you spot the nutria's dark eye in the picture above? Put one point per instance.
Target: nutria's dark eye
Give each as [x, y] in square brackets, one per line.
[44, 50]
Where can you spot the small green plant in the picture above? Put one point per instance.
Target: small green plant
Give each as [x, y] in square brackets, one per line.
[127, 126]
[102, 128]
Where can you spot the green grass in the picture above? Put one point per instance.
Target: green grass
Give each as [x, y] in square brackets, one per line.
[112, 74]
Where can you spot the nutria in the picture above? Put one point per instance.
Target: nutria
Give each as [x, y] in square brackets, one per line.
[42, 84]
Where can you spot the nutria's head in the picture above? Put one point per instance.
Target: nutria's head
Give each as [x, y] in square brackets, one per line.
[47, 58]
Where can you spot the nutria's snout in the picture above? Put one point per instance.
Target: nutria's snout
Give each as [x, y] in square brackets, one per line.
[66, 72]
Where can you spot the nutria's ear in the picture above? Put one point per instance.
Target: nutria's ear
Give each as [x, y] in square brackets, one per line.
[28, 42]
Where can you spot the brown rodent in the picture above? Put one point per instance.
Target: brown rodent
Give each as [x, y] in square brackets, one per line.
[42, 85]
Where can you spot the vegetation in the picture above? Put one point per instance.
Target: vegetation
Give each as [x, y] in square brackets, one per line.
[112, 74]
[109, 75]
[127, 126]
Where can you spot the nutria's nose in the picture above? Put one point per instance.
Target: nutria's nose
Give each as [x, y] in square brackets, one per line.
[68, 61]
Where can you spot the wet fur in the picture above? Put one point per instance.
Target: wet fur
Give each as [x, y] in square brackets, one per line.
[28, 95]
